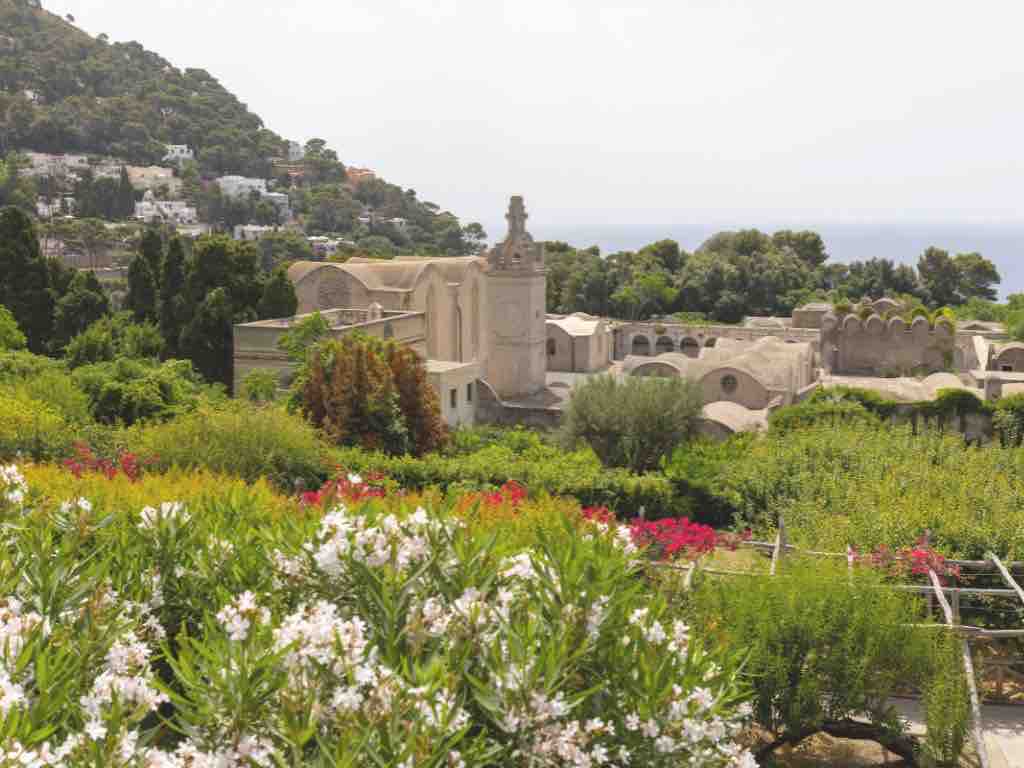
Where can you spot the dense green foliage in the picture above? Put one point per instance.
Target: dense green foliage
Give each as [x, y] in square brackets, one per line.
[736, 274]
[479, 458]
[118, 99]
[826, 649]
[867, 485]
[238, 439]
[631, 422]
[11, 336]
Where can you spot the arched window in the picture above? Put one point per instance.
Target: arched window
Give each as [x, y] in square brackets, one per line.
[690, 347]
[551, 348]
[641, 346]
[664, 344]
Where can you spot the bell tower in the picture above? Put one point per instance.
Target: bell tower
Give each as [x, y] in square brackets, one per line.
[517, 295]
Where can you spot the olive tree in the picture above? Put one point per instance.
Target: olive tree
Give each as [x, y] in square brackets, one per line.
[631, 422]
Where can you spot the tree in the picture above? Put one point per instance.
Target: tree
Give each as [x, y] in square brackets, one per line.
[939, 276]
[806, 246]
[125, 196]
[978, 276]
[83, 304]
[206, 340]
[366, 391]
[25, 286]
[11, 336]
[632, 422]
[173, 304]
[142, 290]
[151, 248]
[279, 299]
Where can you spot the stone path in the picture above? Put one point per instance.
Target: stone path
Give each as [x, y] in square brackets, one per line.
[1004, 730]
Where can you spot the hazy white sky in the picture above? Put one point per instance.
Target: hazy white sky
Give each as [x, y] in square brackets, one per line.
[666, 113]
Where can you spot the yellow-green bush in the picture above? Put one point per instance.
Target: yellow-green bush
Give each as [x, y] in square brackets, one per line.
[32, 428]
[237, 439]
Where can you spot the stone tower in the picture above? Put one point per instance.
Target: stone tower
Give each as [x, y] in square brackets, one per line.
[516, 288]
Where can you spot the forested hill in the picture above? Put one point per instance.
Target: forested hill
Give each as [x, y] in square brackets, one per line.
[88, 95]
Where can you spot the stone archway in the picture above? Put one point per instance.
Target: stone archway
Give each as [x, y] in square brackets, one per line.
[690, 347]
[640, 346]
[664, 344]
[711, 342]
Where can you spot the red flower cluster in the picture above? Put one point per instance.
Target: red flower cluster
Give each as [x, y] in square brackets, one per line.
[675, 536]
[598, 515]
[916, 560]
[347, 487]
[511, 493]
[85, 460]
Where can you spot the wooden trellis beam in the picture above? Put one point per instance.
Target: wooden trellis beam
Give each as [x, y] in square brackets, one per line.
[1005, 573]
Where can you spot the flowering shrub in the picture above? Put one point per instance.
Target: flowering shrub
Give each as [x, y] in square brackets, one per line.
[368, 633]
[670, 537]
[916, 561]
[349, 487]
[85, 460]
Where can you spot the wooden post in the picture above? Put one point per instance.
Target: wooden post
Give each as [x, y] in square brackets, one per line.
[780, 547]
[976, 729]
[850, 557]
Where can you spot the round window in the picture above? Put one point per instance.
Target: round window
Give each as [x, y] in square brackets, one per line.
[729, 383]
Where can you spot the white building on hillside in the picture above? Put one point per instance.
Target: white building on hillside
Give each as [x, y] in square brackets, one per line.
[241, 186]
[252, 232]
[178, 153]
[176, 211]
[295, 152]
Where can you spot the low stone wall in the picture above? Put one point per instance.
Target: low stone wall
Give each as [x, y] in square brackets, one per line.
[491, 410]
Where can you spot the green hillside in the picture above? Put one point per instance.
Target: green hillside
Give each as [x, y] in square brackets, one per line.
[96, 97]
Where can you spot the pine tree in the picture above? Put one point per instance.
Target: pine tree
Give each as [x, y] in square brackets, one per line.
[142, 290]
[279, 299]
[207, 339]
[25, 279]
[173, 306]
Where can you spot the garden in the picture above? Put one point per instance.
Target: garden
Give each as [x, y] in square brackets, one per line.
[332, 578]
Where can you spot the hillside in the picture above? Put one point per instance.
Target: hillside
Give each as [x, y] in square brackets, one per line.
[91, 96]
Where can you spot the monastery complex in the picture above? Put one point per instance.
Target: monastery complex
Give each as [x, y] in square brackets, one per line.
[494, 354]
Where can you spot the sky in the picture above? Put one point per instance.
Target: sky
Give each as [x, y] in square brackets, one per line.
[620, 120]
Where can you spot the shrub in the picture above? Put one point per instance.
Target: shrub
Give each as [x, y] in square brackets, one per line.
[126, 391]
[32, 428]
[542, 468]
[826, 651]
[370, 635]
[239, 440]
[365, 391]
[260, 385]
[818, 411]
[11, 336]
[632, 422]
[57, 390]
[113, 337]
[868, 486]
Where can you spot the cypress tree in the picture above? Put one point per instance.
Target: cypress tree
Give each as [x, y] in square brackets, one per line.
[279, 299]
[142, 292]
[173, 307]
[151, 248]
[25, 282]
[125, 196]
[207, 339]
